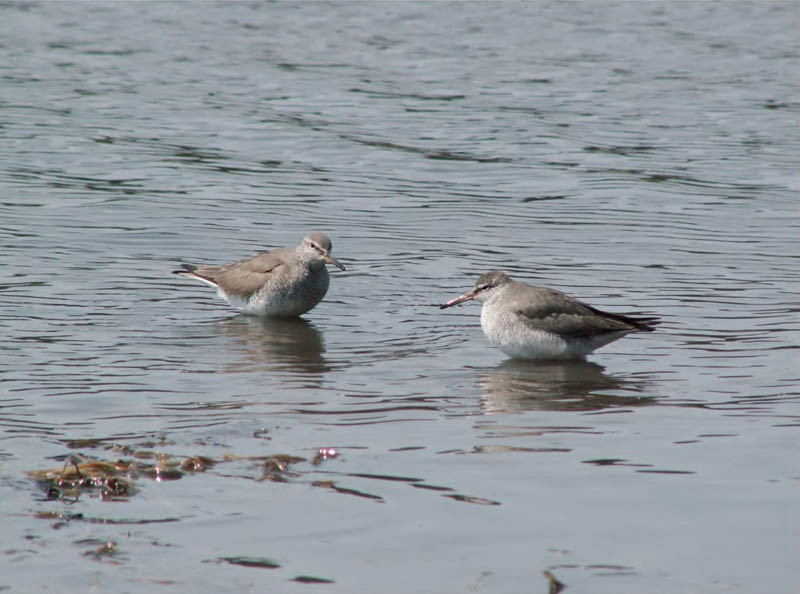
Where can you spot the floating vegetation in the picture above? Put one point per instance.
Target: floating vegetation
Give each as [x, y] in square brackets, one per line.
[114, 480]
[260, 562]
[386, 477]
[655, 471]
[310, 579]
[197, 464]
[471, 499]
[109, 479]
[276, 468]
[267, 563]
[430, 487]
[554, 585]
[262, 433]
[107, 549]
[614, 462]
[345, 490]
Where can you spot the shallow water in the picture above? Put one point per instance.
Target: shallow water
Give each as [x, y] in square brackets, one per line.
[639, 156]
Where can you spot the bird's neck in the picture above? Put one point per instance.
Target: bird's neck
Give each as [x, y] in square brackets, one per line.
[494, 295]
[313, 264]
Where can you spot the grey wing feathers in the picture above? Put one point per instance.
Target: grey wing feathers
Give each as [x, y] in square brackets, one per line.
[241, 278]
[554, 311]
[245, 277]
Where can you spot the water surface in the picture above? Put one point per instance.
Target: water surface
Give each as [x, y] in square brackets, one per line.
[642, 157]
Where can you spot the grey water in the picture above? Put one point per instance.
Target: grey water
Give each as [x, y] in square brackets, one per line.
[640, 156]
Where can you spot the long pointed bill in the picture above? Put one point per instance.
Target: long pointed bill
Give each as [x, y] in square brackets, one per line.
[466, 297]
[331, 260]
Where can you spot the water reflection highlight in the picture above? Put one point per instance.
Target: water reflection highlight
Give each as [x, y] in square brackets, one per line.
[518, 386]
[291, 345]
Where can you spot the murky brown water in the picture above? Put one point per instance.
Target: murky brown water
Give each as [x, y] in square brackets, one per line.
[639, 156]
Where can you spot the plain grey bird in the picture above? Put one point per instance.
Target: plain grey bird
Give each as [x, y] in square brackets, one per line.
[527, 322]
[283, 283]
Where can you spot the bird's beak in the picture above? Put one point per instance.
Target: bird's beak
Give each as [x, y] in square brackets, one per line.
[331, 260]
[466, 297]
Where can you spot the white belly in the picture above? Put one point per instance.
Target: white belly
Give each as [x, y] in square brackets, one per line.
[519, 341]
[284, 301]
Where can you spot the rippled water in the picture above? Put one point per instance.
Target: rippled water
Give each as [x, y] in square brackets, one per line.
[641, 156]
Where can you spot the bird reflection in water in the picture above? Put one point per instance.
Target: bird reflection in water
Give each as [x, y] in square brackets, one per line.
[292, 345]
[517, 386]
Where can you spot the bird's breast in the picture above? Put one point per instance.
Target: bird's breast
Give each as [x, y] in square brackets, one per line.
[288, 295]
[506, 330]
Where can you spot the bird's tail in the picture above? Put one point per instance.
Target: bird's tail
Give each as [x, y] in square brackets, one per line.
[191, 271]
[643, 323]
[634, 322]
